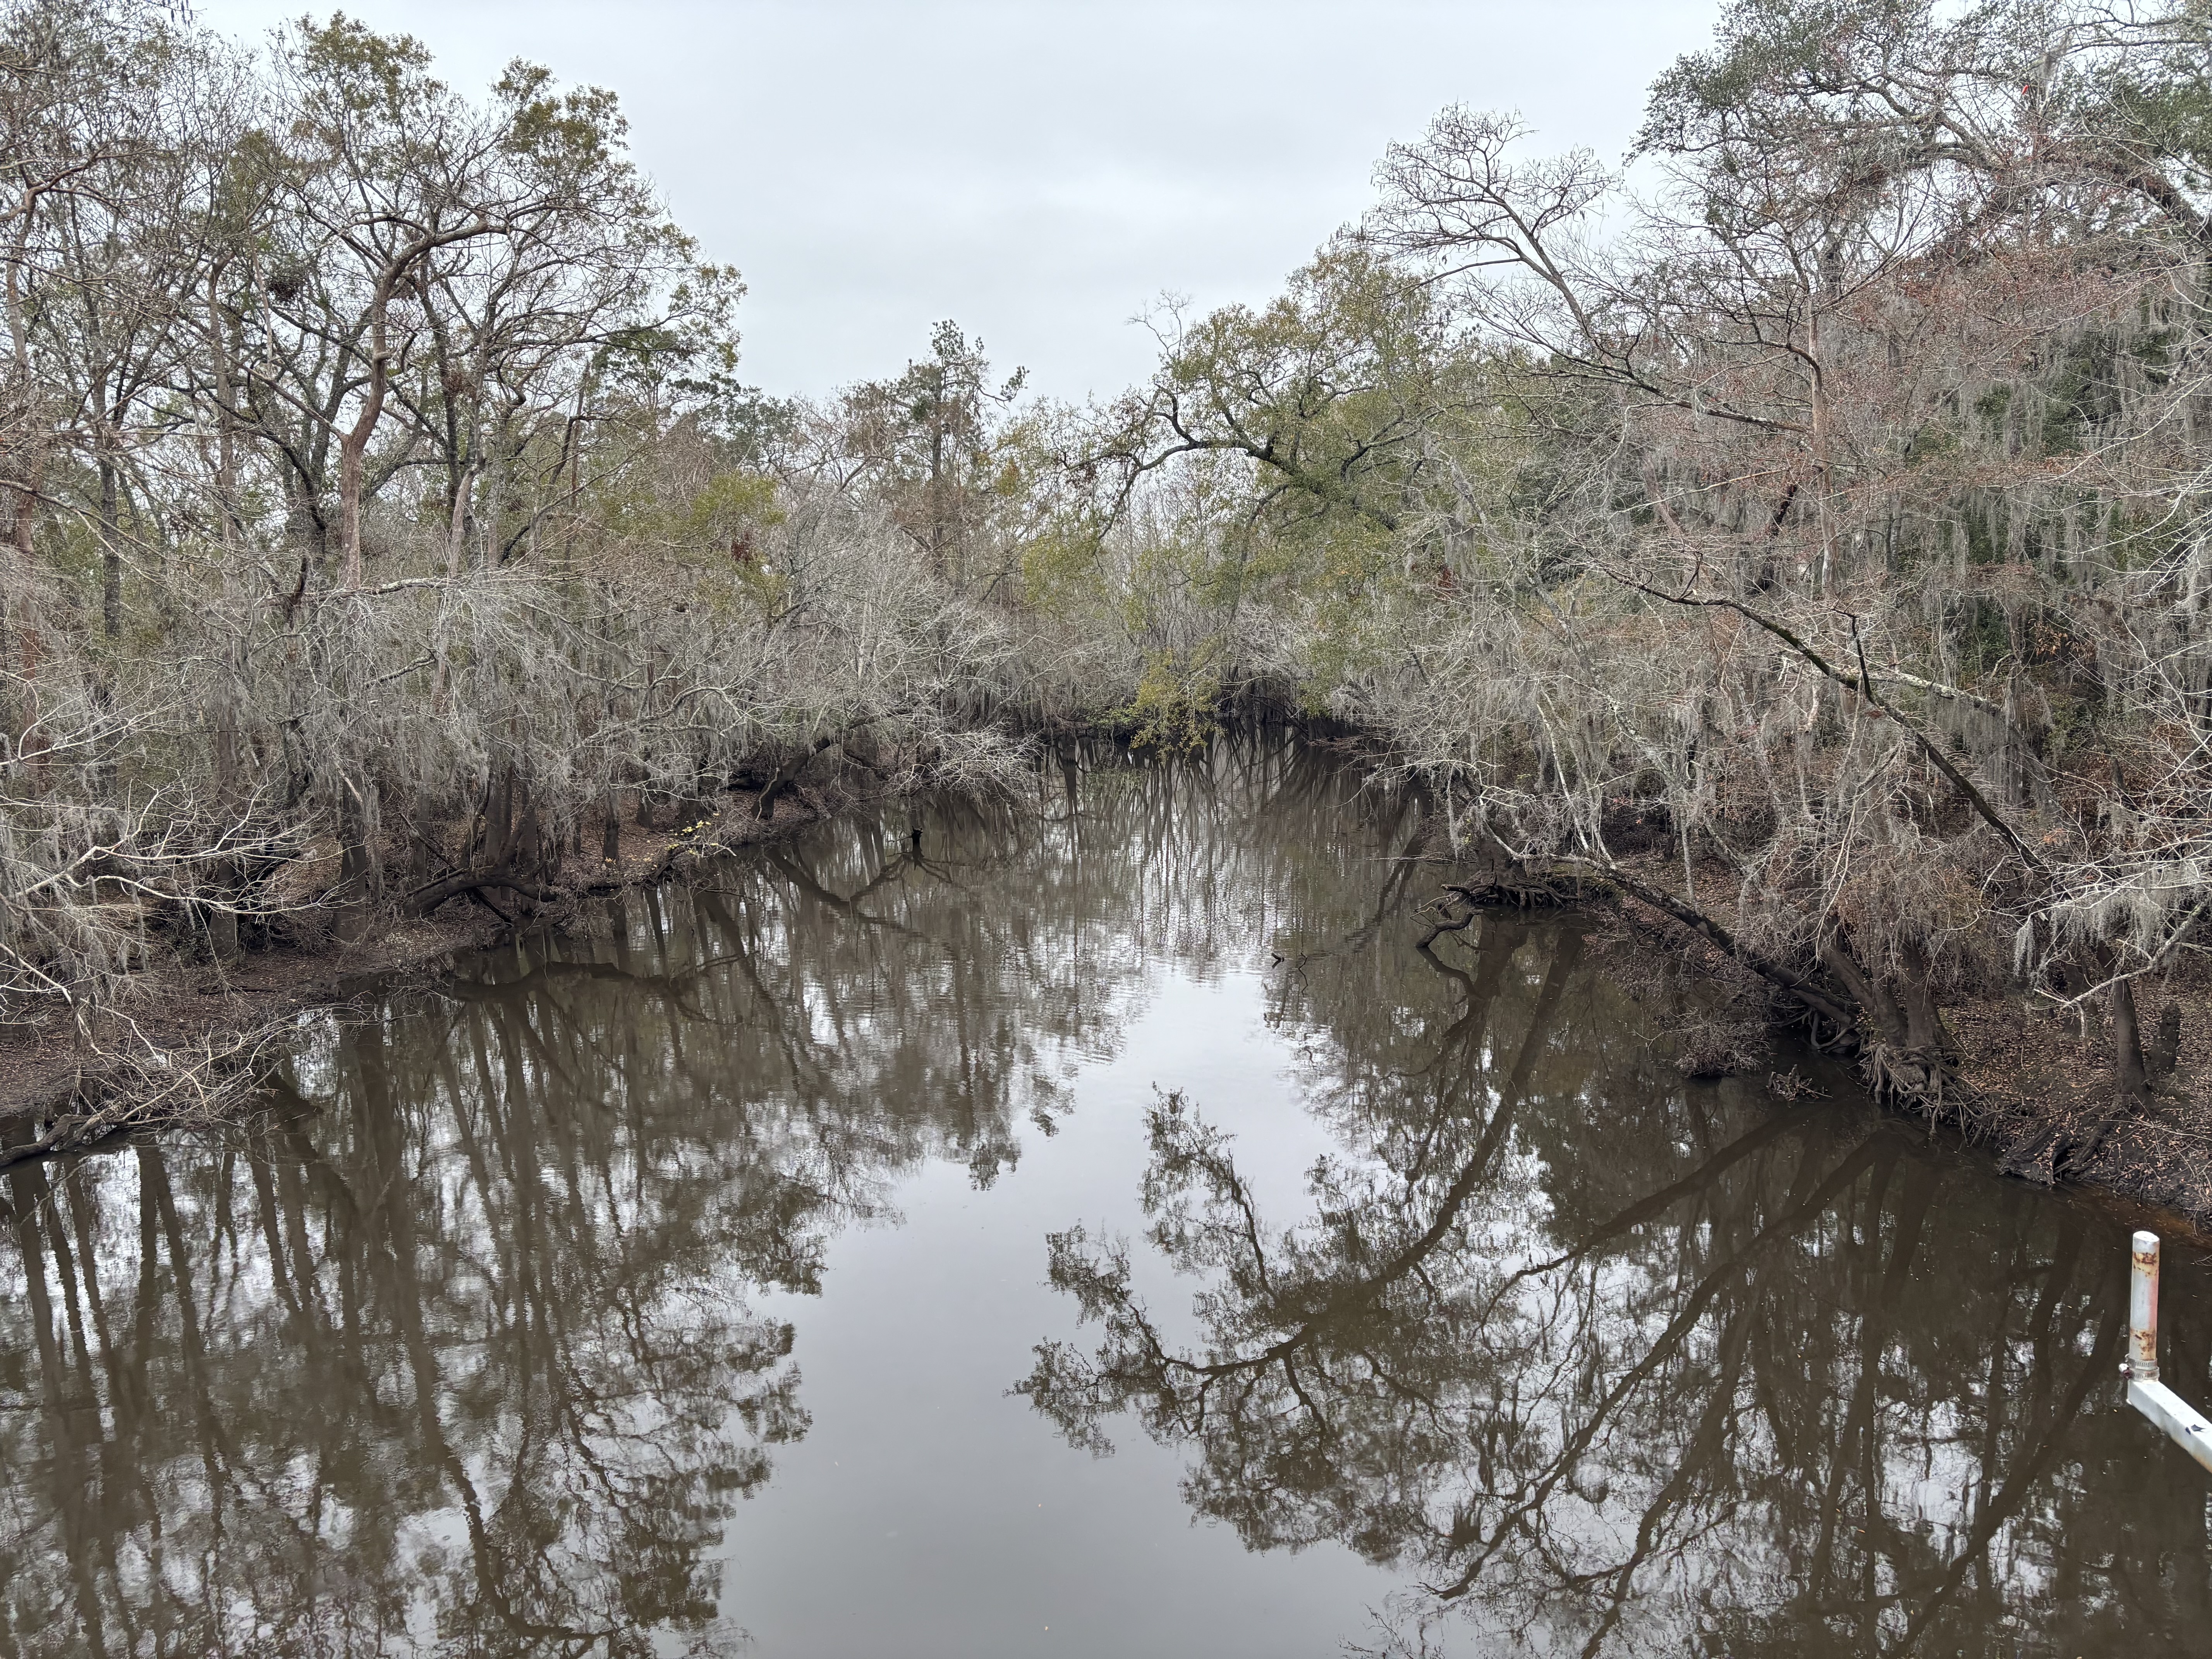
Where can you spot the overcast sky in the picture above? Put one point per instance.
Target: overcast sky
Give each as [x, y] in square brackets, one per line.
[1042, 171]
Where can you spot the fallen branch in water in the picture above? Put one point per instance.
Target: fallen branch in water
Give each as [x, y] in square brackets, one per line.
[150, 1087]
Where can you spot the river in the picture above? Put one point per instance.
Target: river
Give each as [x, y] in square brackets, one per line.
[1091, 1229]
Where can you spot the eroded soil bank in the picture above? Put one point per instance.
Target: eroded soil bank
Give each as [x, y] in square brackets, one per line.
[185, 1045]
[2032, 1082]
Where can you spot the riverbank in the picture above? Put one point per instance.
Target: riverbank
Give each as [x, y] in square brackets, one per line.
[186, 1045]
[189, 1043]
[2033, 1082]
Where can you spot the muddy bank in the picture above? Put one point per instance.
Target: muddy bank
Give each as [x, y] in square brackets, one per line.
[2032, 1083]
[187, 1043]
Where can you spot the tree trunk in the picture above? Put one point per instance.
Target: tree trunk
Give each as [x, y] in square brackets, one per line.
[786, 776]
[350, 449]
[2163, 1052]
[353, 446]
[457, 527]
[1923, 1026]
[111, 555]
[499, 818]
[223, 926]
[1879, 1006]
[2130, 1080]
[24, 497]
[360, 869]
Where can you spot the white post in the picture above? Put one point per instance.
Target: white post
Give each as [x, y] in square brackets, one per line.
[2142, 1310]
[2181, 1422]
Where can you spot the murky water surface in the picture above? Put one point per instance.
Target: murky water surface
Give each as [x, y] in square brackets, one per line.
[1099, 1232]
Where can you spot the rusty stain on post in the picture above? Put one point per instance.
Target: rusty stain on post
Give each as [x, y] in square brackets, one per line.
[2142, 1311]
[2180, 1421]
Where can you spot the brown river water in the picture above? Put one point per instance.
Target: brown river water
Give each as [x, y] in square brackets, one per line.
[1094, 1229]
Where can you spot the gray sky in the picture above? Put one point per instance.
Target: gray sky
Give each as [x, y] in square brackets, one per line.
[1039, 171]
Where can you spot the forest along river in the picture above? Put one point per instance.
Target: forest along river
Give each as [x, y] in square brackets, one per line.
[721, 1279]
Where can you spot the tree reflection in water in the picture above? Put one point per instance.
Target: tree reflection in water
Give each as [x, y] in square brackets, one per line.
[460, 1346]
[455, 1348]
[1608, 1365]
